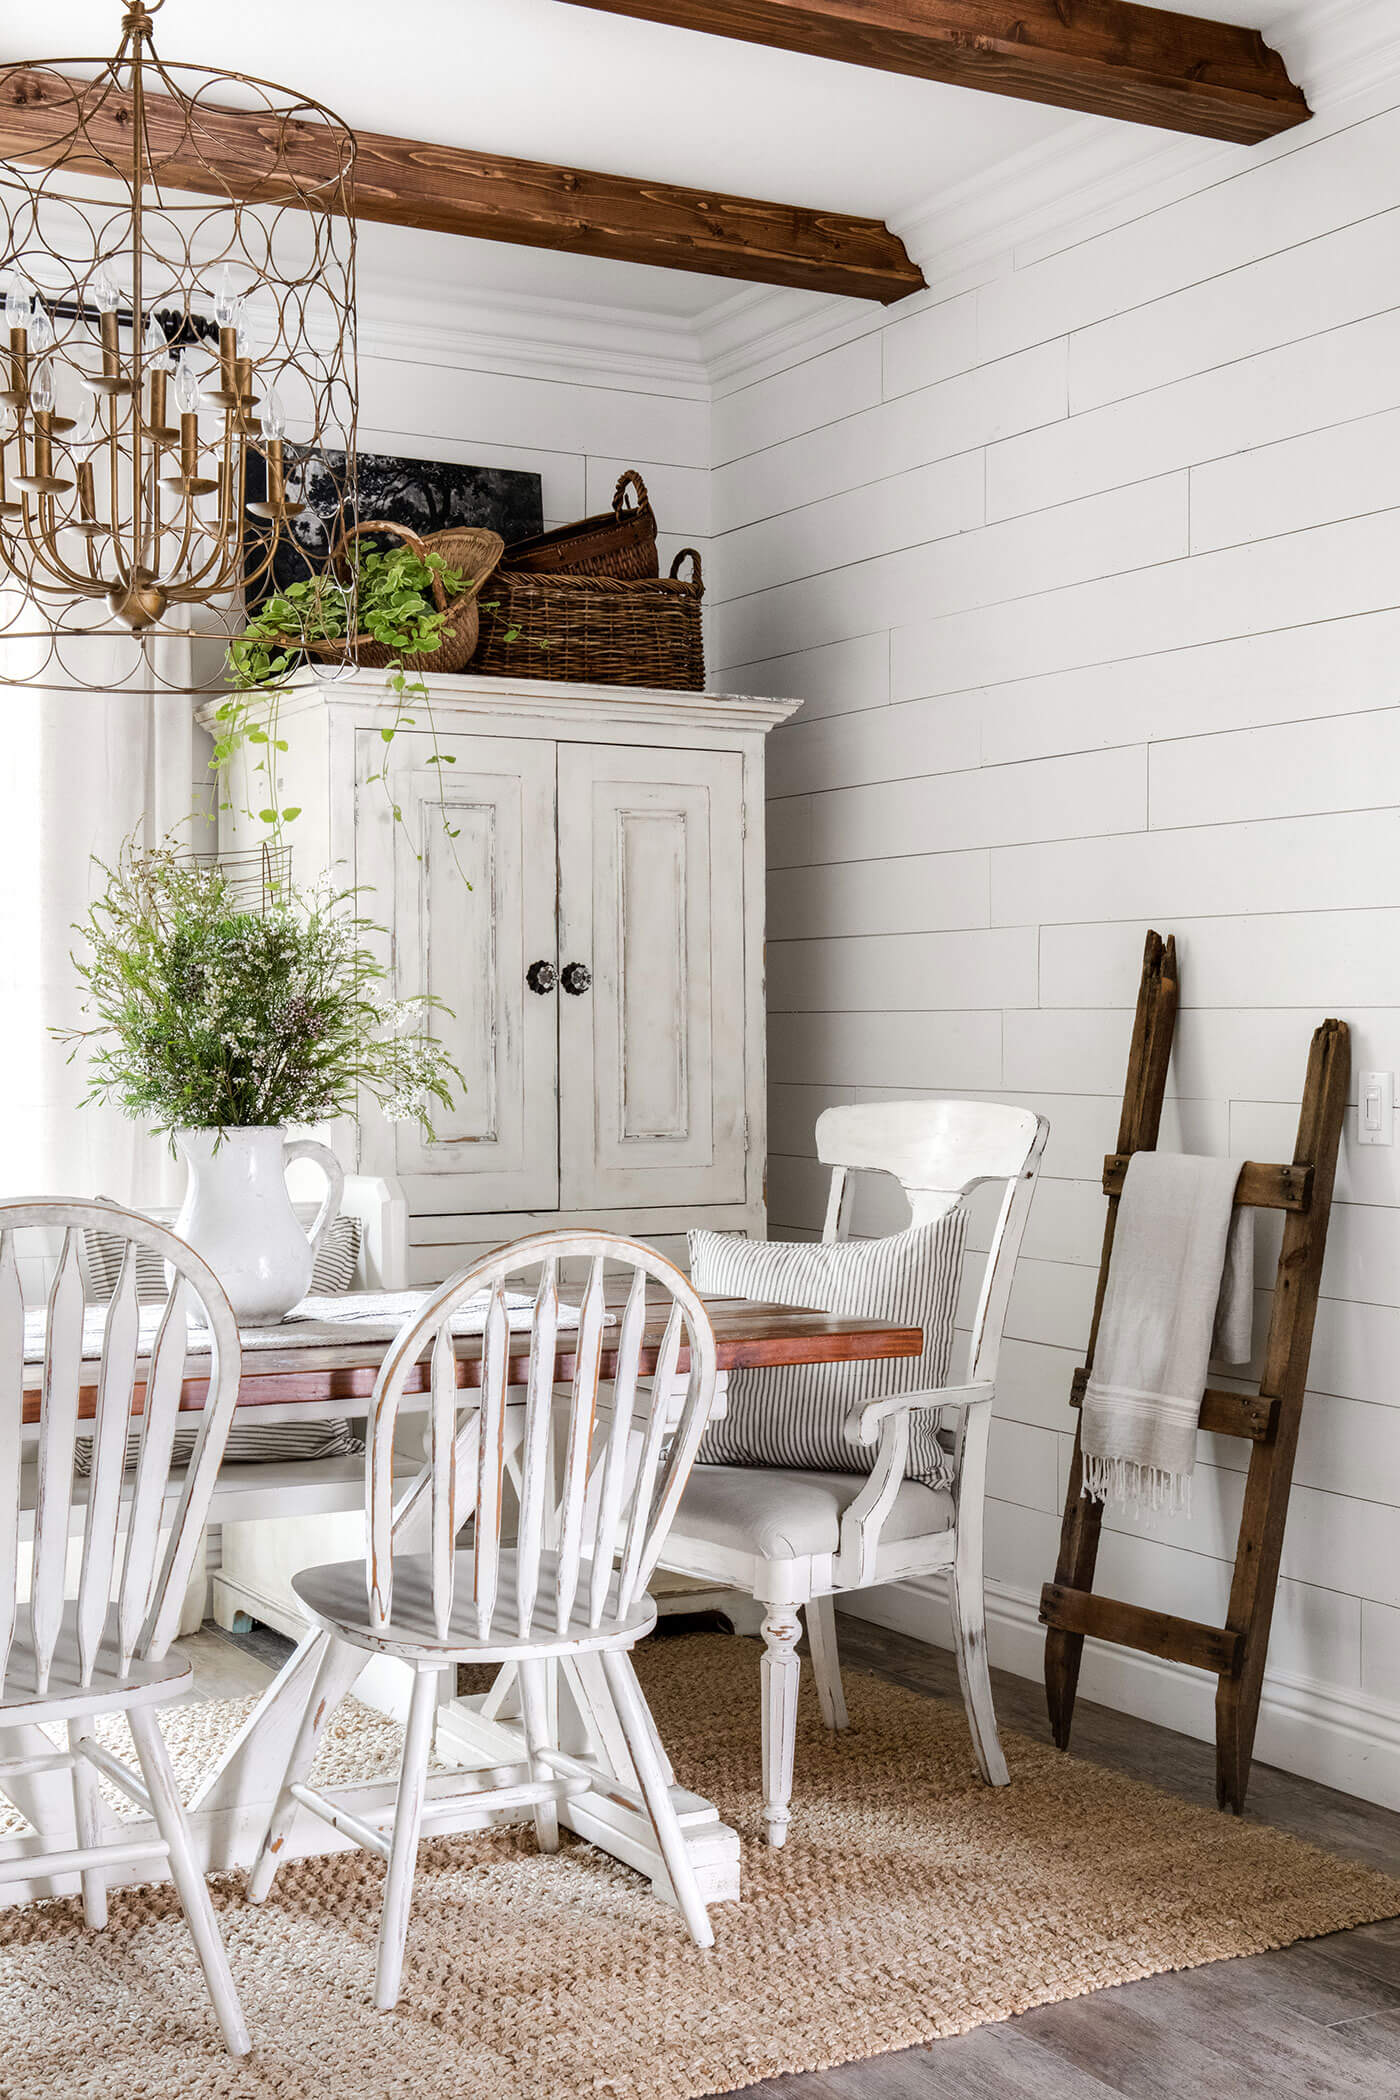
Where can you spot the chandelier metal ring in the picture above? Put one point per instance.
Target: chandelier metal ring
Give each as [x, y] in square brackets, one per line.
[177, 257]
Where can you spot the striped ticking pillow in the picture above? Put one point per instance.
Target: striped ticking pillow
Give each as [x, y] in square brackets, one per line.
[796, 1414]
[268, 1443]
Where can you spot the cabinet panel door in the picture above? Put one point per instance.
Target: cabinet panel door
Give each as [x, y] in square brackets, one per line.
[651, 901]
[497, 1147]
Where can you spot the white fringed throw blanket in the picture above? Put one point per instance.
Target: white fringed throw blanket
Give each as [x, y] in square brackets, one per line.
[1180, 1290]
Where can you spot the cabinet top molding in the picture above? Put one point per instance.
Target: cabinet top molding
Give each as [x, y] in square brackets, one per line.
[1109, 58]
[529, 698]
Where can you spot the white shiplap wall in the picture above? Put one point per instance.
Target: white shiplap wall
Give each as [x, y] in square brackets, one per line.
[1090, 576]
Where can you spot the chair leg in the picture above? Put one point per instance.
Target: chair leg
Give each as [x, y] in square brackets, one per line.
[189, 1881]
[534, 1709]
[781, 1670]
[970, 1644]
[820, 1614]
[640, 1731]
[337, 1667]
[88, 1823]
[403, 1852]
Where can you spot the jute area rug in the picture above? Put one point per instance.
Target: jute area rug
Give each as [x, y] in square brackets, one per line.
[910, 1902]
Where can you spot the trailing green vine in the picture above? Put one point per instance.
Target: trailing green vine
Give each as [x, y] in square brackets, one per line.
[393, 602]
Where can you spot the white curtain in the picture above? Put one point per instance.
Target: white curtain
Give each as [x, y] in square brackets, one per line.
[79, 773]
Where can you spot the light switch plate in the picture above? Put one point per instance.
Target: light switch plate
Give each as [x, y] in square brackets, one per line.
[1375, 1108]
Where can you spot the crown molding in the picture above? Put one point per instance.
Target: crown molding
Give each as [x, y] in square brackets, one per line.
[423, 321]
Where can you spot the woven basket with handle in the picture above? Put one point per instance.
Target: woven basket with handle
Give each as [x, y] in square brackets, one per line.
[468, 549]
[620, 542]
[595, 630]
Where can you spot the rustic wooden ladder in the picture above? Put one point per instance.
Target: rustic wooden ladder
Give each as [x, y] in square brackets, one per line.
[1268, 1420]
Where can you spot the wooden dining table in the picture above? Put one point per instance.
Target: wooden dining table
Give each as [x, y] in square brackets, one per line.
[313, 1368]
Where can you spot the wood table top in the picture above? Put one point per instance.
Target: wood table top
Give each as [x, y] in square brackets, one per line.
[749, 1336]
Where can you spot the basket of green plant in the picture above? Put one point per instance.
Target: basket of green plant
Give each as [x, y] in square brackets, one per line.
[415, 605]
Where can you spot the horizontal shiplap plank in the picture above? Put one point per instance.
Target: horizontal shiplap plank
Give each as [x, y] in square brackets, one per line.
[919, 737]
[840, 678]
[929, 1050]
[1097, 791]
[1320, 183]
[1137, 528]
[1021, 1466]
[1332, 958]
[1336, 667]
[1380, 1651]
[1328, 573]
[1299, 386]
[904, 972]
[542, 413]
[1051, 1301]
[923, 348]
[1320, 284]
[1256, 1053]
[1344, 762]
[1291, 864]
[907, 509]
[1343, 472]
[819, 390]
[920, 893]
[938, 420]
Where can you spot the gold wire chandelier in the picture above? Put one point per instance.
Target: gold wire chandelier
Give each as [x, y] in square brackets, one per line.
[177, 249]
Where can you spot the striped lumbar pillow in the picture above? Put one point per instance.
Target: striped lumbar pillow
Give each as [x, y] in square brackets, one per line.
[268, 1443]
[796, 1414]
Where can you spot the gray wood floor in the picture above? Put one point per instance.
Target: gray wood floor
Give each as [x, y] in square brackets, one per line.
[1321, 2019]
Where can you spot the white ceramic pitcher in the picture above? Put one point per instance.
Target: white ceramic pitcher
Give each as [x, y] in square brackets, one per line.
[238, 1215]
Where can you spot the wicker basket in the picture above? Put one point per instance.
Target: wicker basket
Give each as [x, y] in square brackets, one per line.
[620, 542]
[595, 630]
[471, 551]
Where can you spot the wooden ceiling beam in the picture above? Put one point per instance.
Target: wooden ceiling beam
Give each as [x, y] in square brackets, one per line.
[1109, 58]
[448, 189]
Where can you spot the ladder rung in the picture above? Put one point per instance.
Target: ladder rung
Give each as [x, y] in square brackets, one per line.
[1250, 1415]
[1214, 1648]
[1263, 1187]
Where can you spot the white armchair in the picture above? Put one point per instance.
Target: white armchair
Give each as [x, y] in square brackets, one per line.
[794, 1540]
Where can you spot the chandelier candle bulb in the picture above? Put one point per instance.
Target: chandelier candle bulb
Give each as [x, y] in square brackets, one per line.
[16, 394]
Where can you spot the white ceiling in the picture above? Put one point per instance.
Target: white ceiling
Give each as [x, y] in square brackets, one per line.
[548, 81]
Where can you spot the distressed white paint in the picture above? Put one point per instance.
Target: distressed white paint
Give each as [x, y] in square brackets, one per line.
[107, 1649]
[598, 1481]
[935, 1153]
[615, 829]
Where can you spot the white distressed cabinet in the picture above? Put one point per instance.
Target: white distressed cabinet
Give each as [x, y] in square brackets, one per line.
[596, 927]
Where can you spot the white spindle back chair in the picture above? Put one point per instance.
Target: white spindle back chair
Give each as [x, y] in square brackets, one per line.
[598, 1476]
[887, 1527]
[107, 1649]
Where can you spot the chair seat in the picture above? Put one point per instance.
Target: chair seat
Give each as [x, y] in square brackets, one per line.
[780, 1513]
[111, 1690]
[335, 1595]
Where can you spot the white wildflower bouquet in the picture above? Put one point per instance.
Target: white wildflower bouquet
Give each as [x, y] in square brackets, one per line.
[208, 1015]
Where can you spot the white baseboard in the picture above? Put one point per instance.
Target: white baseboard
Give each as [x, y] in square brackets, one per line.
[1340, 1737]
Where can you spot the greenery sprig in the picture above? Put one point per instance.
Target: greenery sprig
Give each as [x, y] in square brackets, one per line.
[205, 1014]
[392, 600]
